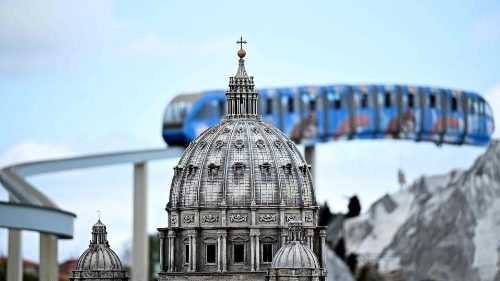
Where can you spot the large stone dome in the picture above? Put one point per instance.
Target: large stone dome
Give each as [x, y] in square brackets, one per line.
[242, 162]
[234, 192]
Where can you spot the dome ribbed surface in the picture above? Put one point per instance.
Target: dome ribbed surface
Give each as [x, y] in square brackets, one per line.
[241, 162]
[295, 254]
[99, 257]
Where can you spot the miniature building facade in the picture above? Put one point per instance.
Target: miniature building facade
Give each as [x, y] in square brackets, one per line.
[234, 192]
[99, 262]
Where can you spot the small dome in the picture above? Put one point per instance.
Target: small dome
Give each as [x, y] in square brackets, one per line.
[99, 255]
[295, 254]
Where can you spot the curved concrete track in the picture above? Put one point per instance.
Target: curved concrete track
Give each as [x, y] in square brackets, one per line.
[30, 209]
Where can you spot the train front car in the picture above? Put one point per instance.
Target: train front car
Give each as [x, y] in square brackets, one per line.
[479, 120]
[188, 115]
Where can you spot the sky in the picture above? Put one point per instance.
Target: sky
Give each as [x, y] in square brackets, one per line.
[94, 76]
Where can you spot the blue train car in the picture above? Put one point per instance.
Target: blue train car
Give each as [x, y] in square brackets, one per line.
[319, 114]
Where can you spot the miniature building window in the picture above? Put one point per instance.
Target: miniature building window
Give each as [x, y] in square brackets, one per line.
[265, 168]
[260, 144]
[239, 253]
[267, 252]
[186, 253]
[287, 168]
[192, 170]
[211, 252]
[213, 169]
[238, 168]
[238, 144]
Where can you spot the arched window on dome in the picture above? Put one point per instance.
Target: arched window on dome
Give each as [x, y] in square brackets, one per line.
[238, 168]
[213, 169]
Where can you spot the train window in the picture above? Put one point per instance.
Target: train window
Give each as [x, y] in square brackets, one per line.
[290, 104]
[454, 104]
[488, 110]
[364, 100]
[387, 99]
[337, 102]
[205, 111]
[411, 100]
[222, 107]
[432, 100]
[177, 112]
[269, 106]
[481, 108]
[312, 104]
[472, 109]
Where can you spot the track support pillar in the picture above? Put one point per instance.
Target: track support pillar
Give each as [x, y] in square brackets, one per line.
[48, 258]
[310, 155]
[14, 256]
[140, 253]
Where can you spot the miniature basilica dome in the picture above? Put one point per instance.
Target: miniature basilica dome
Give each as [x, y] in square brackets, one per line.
[234, 191]
[242, 160]
[99, 261]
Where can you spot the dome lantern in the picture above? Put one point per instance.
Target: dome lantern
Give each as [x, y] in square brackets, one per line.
[241, 98]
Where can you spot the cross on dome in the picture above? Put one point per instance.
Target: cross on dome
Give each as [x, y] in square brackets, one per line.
[241, 42]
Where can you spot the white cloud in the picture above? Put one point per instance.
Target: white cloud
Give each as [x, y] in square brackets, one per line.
[487, 29]
[493, 98]
[50, 35]
[31, 150]
[154, 46]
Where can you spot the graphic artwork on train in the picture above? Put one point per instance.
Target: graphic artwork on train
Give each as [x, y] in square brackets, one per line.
[320, 114]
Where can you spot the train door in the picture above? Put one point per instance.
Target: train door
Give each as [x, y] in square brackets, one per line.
[485, 121]
[364, 117]
[473, 118]
[409, 116]
[339, 122]
[289, 112]
[454, 116]
[388, 114]
[433, 117]
[310, 126]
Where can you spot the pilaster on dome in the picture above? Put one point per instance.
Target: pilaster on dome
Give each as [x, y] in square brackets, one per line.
[241, 97]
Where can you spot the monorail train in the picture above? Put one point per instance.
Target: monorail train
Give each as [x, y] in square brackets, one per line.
[320, 114]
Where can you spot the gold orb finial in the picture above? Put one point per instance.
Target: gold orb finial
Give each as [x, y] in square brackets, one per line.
[241, 51]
